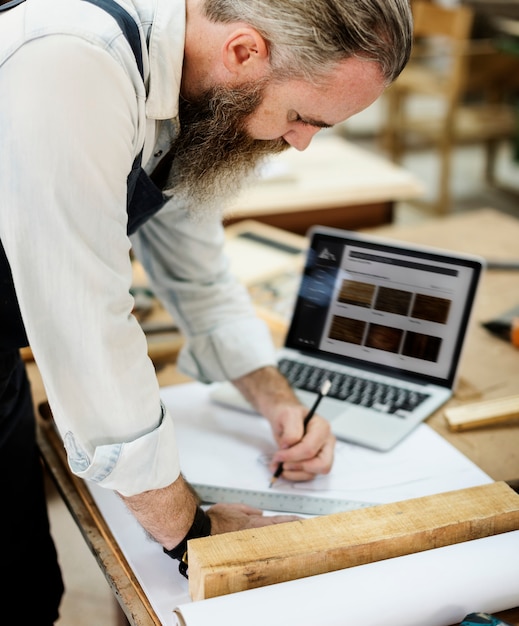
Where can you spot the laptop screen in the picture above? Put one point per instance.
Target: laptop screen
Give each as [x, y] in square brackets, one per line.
[385, 305]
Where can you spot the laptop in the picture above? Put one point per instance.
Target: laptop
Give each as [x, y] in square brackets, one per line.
[385, 321]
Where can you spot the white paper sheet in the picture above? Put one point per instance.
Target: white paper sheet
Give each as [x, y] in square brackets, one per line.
[228, 448]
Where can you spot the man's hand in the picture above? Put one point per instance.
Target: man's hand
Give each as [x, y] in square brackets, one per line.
[228, 517]
[303, 454]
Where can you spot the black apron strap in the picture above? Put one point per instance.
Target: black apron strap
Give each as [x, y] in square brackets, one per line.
[126, 24]
[143, 197]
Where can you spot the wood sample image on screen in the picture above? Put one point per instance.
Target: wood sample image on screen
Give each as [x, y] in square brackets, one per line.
[420, 346]
[346, 329]
[393, 300]
[357, 293]
[431, 308]
[384, 337]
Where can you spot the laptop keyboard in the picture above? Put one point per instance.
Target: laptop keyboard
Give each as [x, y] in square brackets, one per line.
[379, 396]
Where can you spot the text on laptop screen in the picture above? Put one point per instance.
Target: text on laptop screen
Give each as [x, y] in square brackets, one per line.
[390, 306]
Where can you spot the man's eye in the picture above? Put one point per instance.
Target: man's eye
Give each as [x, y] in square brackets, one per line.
[300, 120]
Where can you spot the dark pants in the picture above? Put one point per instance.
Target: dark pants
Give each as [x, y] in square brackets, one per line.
[31, 578]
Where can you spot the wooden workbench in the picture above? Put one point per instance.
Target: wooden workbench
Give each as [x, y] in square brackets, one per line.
[490, 369]
[333, 182]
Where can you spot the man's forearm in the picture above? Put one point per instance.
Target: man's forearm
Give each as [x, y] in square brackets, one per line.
[166, 514]
[265, 387]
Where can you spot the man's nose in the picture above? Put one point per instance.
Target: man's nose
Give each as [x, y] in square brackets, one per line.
[300, 139]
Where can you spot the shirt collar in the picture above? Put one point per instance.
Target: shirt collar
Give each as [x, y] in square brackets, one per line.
[166, 55]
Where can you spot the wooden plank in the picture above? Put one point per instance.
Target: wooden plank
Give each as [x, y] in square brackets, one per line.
[484, 413]
[232, 562]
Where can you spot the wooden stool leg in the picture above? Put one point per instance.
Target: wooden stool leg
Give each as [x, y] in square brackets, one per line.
[490, 161]
[444, 192]
[391, 139]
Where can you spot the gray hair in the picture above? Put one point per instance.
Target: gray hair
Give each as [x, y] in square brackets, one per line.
[307, 38]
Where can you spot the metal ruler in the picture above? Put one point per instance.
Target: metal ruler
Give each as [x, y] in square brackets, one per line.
[276, 500]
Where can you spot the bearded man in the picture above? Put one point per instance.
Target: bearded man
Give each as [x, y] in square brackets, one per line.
[126, 126]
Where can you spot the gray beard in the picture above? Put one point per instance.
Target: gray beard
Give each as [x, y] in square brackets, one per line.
[213, 156]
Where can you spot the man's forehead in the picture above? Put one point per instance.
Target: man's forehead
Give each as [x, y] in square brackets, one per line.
[346, 89]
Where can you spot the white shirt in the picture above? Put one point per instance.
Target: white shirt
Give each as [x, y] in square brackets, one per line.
[74, 113]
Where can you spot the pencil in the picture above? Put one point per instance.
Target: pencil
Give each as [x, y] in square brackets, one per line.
[325, 388]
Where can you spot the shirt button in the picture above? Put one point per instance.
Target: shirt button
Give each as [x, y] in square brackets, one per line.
[157, 154]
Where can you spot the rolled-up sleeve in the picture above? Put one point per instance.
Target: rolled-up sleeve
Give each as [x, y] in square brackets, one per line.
[185, 261]
[129, 467]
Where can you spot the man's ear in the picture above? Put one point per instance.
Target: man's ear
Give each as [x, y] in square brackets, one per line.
[245, 53]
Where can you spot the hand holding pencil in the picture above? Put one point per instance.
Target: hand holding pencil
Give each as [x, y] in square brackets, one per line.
[325, 388]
